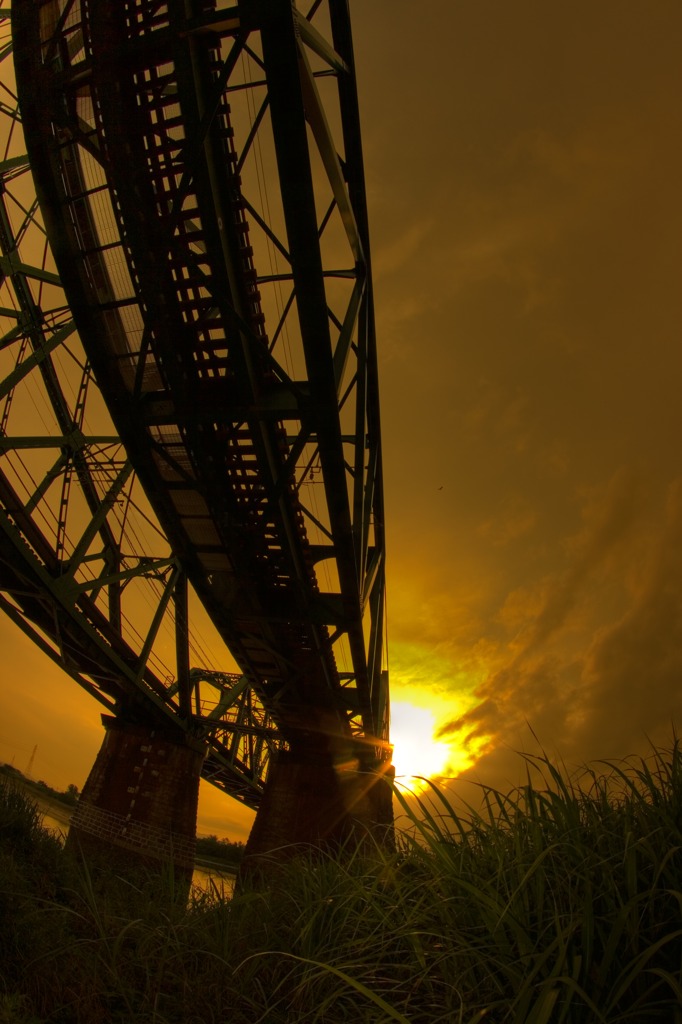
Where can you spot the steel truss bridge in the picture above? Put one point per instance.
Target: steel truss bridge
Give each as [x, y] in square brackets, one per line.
[190, 459]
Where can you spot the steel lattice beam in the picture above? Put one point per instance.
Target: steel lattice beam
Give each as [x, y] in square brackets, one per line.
[85, 570]
[233, 390]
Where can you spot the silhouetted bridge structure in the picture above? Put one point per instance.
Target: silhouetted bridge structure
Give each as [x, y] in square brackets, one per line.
[201, 354]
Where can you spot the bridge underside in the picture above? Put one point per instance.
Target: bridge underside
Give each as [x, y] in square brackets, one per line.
[199, 172]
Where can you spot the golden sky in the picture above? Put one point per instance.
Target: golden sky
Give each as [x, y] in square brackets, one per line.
[524, 163]
[523, 166]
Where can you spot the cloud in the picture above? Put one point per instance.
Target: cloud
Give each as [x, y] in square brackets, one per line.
[541, 673]
[515, 519]
[594, 546]
[633, 670]
[401, 251]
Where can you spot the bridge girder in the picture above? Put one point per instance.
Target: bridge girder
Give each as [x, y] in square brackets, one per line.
[228, 89]
[85, 569]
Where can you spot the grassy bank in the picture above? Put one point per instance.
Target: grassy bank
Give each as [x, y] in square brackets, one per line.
[562, 902]
[53, 802]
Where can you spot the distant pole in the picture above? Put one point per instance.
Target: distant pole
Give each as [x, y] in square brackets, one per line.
[31, 759]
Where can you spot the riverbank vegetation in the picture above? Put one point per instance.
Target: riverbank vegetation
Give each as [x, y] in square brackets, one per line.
[41, 790]
[211, 850]
[560, 903]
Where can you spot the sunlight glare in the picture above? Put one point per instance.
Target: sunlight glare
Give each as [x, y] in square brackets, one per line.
[416, 750]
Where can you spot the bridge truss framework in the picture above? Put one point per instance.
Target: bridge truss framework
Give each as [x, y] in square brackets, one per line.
[225, 474]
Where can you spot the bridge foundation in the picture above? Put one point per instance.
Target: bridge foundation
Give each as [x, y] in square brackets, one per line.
[137, 813]
[311, 801]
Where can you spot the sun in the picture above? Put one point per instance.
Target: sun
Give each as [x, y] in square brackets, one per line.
[417, 754]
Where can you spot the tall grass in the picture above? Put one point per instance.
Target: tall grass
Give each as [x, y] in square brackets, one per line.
[558, 902]
[568, 893]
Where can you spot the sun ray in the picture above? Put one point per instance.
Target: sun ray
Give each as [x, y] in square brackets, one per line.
[418, 754]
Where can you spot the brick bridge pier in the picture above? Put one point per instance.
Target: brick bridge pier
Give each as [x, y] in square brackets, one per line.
[138, 809]
[137, 814]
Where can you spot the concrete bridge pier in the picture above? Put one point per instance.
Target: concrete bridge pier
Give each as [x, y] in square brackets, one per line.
[313, 799]
[136, 817]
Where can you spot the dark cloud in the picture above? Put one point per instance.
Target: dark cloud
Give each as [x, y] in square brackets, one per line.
[581, 678]
[633, 670]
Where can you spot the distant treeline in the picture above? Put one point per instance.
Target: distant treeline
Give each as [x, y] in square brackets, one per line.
[69, 796]
[212, 848]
